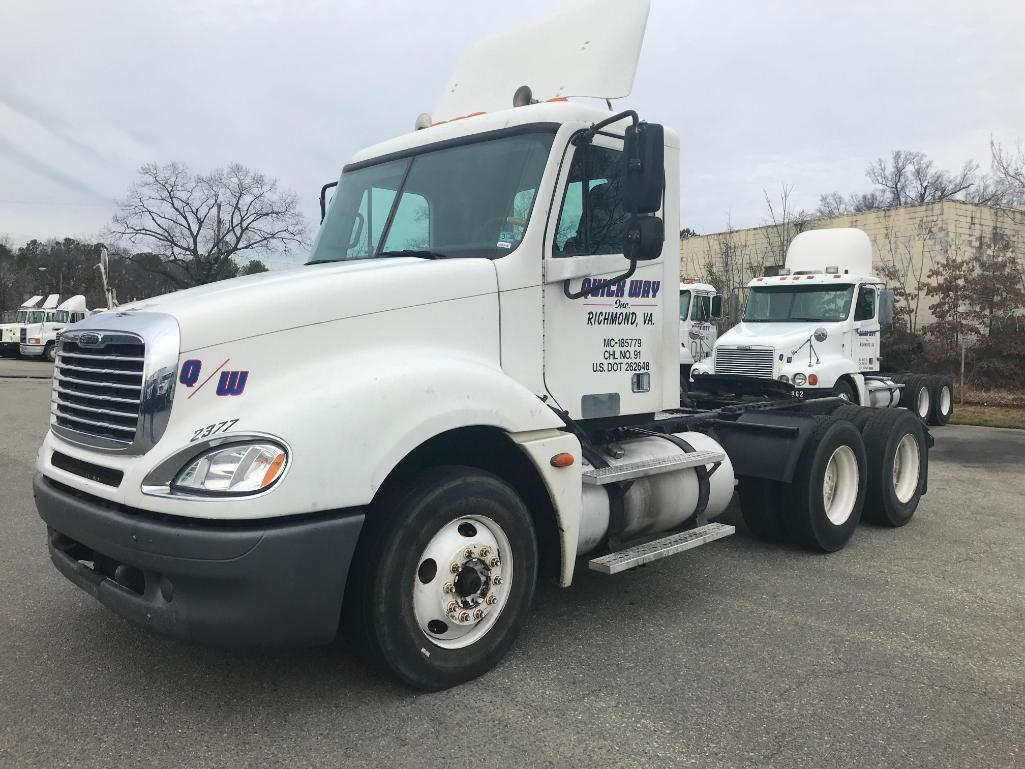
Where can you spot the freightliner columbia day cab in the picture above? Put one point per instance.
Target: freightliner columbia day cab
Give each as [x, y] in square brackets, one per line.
[817, 325]
[494, 394]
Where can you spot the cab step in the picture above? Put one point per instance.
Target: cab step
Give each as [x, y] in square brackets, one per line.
[638, 555]
[599, 476]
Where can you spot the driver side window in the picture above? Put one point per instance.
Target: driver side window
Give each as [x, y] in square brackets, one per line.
[593, 219]
[866, 307]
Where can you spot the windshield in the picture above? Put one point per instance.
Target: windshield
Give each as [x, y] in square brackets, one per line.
[22, 316]
[470, 200]
[684, 304]
[37, 316]
[780, 304]
[61, 316]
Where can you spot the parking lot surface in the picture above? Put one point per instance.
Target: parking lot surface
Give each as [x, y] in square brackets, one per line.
[906, 649]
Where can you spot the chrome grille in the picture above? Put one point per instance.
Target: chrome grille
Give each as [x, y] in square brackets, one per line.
[750, 361]
[98, 388]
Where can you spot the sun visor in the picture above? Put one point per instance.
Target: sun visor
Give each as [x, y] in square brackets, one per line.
[589, 50]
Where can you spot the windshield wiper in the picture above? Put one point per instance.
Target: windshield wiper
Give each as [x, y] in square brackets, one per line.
[418, 253]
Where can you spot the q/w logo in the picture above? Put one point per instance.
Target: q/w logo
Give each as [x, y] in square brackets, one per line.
[229, 383]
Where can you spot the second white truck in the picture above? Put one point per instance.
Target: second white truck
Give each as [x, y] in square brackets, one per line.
[39, 334]
[816, 325]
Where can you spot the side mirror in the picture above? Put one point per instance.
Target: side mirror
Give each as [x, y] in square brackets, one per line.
[644, 175]
[644, 239]
[886, 308]
[716, 307]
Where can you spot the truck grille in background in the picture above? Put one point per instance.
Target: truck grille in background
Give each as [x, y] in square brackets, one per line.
[754, 361]
[98, 389]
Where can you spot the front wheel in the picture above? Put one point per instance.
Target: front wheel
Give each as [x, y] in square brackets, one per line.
[444, 576]
[844, 389]
[50, 352]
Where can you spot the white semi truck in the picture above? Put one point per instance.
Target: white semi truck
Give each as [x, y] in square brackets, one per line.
[816, 324]
[39, 334]
[700, 306]
[10, 333]
[494, 395]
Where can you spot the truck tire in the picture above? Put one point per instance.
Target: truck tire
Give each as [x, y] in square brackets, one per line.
[857, 415]
[941, 390]
[761, 508]
[443, 577]
[898, 462]
[823, 503]
[50, 352]
[915, 396]
[844, 389]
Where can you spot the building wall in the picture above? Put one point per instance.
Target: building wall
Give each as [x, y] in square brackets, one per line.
[906, 243]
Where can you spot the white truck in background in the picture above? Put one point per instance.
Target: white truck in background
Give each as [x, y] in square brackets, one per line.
[10, 333]
[700, 307]
[39, 334]
[495, 394]
[817, 325]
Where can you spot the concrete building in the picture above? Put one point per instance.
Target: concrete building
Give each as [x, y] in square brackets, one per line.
[907, 242]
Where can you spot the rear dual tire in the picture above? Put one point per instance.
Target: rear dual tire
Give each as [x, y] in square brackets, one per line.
[941, 392]
[898, 464]
[821, 507]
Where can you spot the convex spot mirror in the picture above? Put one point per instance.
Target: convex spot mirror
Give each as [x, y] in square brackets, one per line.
[886, 308]
[716, 307]
[644, 239]
[644, 176]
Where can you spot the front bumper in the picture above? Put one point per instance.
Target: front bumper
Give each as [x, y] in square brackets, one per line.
[251, 583]
[30, 350]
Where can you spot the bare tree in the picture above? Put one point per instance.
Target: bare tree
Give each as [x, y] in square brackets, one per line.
[199, 224]
[1009, 168]
[786, 223]
[911, 179]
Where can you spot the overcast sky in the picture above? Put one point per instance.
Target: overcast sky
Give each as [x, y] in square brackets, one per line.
[761, 93]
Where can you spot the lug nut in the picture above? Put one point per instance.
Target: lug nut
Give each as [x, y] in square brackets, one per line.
[448, 587]
[484, 552]
[494, 562]
[468, 553]
[452, 608]
[454, 568]
[479, 614]
[492, 599]
[464, 617]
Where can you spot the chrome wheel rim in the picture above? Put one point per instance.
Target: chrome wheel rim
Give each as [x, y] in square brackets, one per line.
[840, 485]
[906, 468]
[945, 400]
[462, 581]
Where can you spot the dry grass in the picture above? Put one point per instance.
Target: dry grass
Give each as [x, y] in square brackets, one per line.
[979, 397]
[989, 415]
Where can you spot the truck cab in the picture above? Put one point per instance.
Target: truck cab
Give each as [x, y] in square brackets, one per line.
[494, 395]
[39, 335]
[700, 307]
[10, 333]
[815, 324]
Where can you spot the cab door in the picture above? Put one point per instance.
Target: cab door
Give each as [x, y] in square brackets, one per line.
[602, 352]
[866, 328]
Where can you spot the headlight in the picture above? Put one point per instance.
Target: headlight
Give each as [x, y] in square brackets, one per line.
[784, 378]
[799, 380]
[245, 468]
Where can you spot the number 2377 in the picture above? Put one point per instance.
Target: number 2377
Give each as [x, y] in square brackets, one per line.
[218, 427]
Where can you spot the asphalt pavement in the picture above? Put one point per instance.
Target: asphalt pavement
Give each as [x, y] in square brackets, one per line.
[906, 649]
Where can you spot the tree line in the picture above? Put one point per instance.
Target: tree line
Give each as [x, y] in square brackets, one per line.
[173, 229]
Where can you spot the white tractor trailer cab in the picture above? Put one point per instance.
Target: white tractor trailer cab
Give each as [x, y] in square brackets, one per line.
[495, 395]
[10, 333]
[816, 324]
[39, 334]
[700, 307]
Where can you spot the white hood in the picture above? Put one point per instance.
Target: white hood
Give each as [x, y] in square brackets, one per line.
[274, 301]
